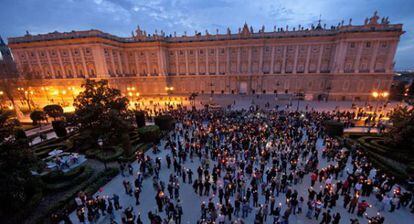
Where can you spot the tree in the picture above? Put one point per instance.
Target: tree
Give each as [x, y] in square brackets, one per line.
[37, 116]
[402, 131]
[103, 111]
[17, 184]
[54, 111]
[397, 91]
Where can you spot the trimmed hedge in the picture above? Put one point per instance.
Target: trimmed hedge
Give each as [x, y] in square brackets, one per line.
[142, 147]
[59, 176]
[43, 151]
[150, 133]
[333, 128]
[164, 122]
[90, 187]
[140, 118]
[63, 185]
[59, 128]
[110, 154]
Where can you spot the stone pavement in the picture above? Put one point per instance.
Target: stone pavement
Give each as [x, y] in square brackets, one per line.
[191, 202]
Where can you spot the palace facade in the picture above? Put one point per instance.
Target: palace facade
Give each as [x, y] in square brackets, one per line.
[340, 62]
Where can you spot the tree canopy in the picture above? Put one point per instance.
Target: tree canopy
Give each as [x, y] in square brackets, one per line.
[402, 131]
[54, 111]
[102, 110]
[16, 160]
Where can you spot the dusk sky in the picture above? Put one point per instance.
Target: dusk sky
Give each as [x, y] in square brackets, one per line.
[120, 17]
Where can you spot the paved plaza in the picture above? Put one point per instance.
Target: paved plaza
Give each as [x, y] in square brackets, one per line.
[191, 202]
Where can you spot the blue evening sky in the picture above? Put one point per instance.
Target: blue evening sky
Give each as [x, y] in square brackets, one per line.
[120, 17]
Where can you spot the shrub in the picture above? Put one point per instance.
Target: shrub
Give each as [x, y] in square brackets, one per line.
[140, 118]
[59, 128]
[165, 122]
[54, 111]
[43, 151]
[20, 134]
[75, 180]
[59, 176]
[149, 133]
[334, 128]
[37, 116]
[109, 154]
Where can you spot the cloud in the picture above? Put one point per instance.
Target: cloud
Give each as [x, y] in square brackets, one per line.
[119, 17]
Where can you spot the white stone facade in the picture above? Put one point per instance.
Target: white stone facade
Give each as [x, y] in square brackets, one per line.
[344, 62]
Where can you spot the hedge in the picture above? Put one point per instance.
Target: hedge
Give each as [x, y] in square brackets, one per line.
[59, 128]
[372, 144]
[150, 133]
[43, 151]
[142, 147]
[110, 154]
[59, 176]
[164, 122]
[90, 187]
[140, 118]
[333, 128]
[62, 185]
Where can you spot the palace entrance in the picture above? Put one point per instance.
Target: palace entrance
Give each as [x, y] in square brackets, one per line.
[243, 87]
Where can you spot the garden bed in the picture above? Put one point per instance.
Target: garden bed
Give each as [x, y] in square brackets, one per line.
[75, 180]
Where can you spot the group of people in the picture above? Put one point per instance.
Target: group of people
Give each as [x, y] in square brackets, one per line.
[264, 166]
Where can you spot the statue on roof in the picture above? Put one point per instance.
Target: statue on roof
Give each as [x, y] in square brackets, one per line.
[245, 30]
[374, 19]
[350, 22]
[228, 31]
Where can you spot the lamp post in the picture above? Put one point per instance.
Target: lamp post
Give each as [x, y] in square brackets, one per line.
[100, 143]
[378, 96]
[46, 89]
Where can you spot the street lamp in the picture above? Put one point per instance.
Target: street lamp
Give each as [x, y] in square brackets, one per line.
[377, 96]
[1, 95]
[100, 143]
[45, 89]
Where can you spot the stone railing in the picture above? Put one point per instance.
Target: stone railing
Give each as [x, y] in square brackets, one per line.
[208, 37]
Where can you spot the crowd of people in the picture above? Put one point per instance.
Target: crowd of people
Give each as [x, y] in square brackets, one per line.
[247, 161]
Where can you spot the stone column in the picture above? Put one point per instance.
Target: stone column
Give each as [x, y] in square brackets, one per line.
[100, 62]
[111, 55]
[341, 56]
[295, 63]
[196, 58]
[161, 61]
[374, 57]
[272, 63]
[120, 63]
[40, 65]
[62, 69]
[261, 60]
[72, 63]
[238, 60]
[390, 56]
[217, 61]
[318, 68]
[186, 61]
[85, 69]
[284, 60]
[358, 57]
[228, 64]
[249, 61]
[207, 65]
[147, 62]
[307, 59]
[176, 63]
[52, 69]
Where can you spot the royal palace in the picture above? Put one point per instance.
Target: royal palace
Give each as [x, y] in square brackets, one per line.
[342, 62]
